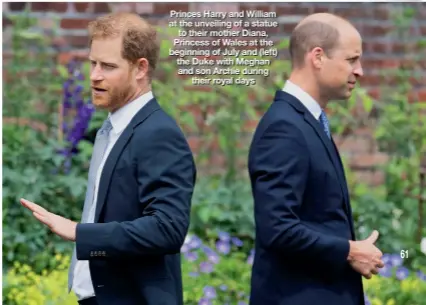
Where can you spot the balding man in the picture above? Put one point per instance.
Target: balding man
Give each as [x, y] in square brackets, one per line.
[306, 253]
[141, 179]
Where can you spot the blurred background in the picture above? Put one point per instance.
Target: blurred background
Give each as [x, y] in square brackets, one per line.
[49, 126]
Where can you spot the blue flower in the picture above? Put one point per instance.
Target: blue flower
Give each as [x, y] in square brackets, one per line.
[204, 301]
[421, 275]
[223, 287]
[386, 271]
[195, 242]
[224, 236]
[402, 273]
[209, 292]
[242, 303]
[237, 242]
[223, 247]
[213, 257]
[396, 260]
[206, 267]
[191, 256]
[194, 274]
[366, 300]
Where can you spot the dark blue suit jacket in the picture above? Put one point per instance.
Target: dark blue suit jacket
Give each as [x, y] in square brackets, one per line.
[142, 214]
[302, 212]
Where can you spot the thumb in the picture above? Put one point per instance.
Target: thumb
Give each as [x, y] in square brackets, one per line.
[373, 237]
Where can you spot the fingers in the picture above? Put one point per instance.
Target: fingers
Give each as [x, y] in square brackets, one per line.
[43, 219]
[368, 275]
[373, 237]
[33, 207]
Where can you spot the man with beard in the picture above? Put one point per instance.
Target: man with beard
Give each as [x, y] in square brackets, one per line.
[306, 251]
[141, 179]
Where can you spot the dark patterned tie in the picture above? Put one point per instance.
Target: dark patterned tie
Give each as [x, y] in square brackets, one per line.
[324, 123]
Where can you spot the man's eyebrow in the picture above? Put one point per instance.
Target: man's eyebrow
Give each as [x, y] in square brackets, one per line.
[103, 62]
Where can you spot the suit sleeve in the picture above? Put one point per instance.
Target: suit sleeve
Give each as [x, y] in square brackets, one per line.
[279, 171]
[166, 177]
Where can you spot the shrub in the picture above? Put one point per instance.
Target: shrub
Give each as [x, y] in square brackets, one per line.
[25, 287]
[216, 271]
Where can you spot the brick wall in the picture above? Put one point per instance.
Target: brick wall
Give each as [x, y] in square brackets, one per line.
[381, 48]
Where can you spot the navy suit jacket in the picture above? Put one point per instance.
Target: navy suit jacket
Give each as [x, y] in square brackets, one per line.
[142, 214]
[302, 212]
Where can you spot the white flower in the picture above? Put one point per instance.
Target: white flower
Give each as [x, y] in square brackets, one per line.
[423, 245]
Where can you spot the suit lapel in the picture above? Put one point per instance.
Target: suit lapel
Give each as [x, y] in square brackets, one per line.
[328, 144]
[111, 161]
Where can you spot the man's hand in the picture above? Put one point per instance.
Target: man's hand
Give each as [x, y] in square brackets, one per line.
[365, 257]
[61, 226]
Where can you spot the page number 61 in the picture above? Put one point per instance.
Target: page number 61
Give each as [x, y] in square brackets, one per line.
[404, 253]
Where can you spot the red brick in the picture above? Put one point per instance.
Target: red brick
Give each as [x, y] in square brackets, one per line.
[144, 8]
[421, 95]
[376, 30]
[65, 57]
[350, 12]
[355, 144]
[381, 13]
[74, 23]
[373, 178]
[82, 7]
[123, 7]
[368, 160]
[371, 80]
[101, 8]
[194, 143]
[165, 8]
[77, 41]
[291, 10]
[376, 47]
[287, 28]
[318, 8]
[60, 7]
[380, 63]
[17, 6]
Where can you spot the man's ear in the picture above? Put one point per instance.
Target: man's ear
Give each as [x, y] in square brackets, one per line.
[317, 57]
[141, 68]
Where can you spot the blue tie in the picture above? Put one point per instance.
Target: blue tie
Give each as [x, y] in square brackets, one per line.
[324, 123]
[99, 148]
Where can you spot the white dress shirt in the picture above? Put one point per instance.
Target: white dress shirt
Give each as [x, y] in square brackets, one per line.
[82, 283]
[307, 100]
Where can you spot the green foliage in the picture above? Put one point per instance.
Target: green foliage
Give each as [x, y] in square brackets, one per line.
[391, 291]
[32, 166]
[23, 286]
[223, 278]
[218, 206]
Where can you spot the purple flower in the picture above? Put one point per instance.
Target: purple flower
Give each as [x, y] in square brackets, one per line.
[191, 256]
[223, 247]
[209, 292]
[194, 274]
[367, 301]
[185, 248]
[195, 242]
[395, 260]
[250, 259]
[213, 258]
[206, 267]
[223, 287]
[204, 301]
[224, 236]
[386, 271]
[402, 273]
[242, 303]
[421, 275]
[237, 242]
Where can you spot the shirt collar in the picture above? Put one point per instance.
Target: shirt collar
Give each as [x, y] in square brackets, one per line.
[308, 101]
[122, 117]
